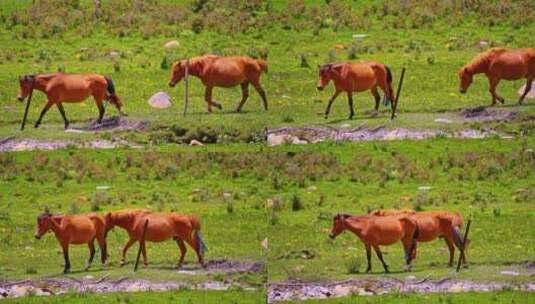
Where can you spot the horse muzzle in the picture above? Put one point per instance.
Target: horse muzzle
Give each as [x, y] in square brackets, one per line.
[332, 236]
[320, 88]
[172, 84]
[20, 98]
[462, 91]
[37, 236]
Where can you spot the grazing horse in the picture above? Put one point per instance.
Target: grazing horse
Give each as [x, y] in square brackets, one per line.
[70, 88]
[498, 64]
[226, 72]
[375, 231]
[356, 77]
[161, 227]
[74, 229]
[432, 225]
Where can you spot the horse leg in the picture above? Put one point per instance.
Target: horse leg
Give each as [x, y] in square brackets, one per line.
[101, 109]
[368, 257]
[193, 243]
[91, 246]
[62, 111]
[144, 253]
[451, 248]
[43, 112]
[492, 88]
[130, 242]
[331, 100]
[208, 98]
[380, 256]
[103, 249]
[183, 250]
[262, 94]
[244, 95]
[350, 102]
[526, 90]
[67, 266]
[377, 97]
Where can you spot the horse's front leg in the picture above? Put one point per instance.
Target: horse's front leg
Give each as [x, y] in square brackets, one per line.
[331, 100]
[350, 101]
[144, 253]
[91, 246]
[526, 90]
[261, 92]
[451, 249]
[493, 83]
[101, 109]
[368, 257]
[65, 248]
[43, 112]
[62, 111]
[380, 256]
[128, 244]
[208, 98]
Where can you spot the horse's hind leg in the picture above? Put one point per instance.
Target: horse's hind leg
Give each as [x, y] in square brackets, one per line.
[100, 107]
[380, 256]
[62, 111]
[43, 112]
[451, 248]
[193, 243]
[208, 99]
[377, 97]
[350, 102]
[91, 246]
[144, 253]
[526, 90]
[103, 249]
[183, 250]
[262, 93]
[244, 95]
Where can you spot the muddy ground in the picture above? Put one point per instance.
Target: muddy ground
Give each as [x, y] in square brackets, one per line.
[295, 290]
[65, 284]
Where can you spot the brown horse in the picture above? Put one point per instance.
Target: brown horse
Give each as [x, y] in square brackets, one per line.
[74, 229]
[432, 225]
[376, 231]
[498, 64]
[356, 77]
[226, 72]
[161, 227]
[71, 88]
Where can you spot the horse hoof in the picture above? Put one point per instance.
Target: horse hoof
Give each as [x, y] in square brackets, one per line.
[65, 271]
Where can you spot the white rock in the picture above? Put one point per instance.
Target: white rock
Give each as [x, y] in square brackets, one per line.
[531, 93]
[172, 44]
[265, 243]
[443, 120]
[509, 273]
[195, 142]
[160, 100]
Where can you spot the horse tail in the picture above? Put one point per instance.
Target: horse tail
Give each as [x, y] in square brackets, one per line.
[390, 96]
[263, 65]
[112, 96]
[196, 226]
[457, 236]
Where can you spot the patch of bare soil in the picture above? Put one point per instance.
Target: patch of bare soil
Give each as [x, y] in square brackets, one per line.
[295, 290]
[12, 144]
[487, 114]
[303, 135]
[114, 123]
[223, 265]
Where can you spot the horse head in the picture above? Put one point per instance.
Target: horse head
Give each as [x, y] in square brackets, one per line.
[109, 223]
[26, 83]
[466, 76]
[43, 224]
[178, 71]
[339, 225]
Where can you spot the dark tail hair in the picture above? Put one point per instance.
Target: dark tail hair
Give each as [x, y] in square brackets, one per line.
[386, 99]
[196, 225]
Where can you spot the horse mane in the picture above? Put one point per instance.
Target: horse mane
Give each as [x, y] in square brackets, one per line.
[484, 56]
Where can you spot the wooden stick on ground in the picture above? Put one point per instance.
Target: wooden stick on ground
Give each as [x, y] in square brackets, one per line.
[395, 103]
[463, 244]
[186, 87]
[26, 111]
[141, 244]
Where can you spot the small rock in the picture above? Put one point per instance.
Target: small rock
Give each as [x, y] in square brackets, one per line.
[195, 142]
[89, 277]
[265, 243]
[312, 188]
[172, 44]
[509, 273]
[339, 46]
[443, 120]
[226, 195]
[113, 54]
[20, 291]
[345, 126]
[160, 100]
[410, 277]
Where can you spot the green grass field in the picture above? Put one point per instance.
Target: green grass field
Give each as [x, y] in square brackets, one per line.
[243, 190]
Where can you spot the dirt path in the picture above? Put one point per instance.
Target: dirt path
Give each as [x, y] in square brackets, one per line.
[65, 284]
[295, 290]
[13, 144]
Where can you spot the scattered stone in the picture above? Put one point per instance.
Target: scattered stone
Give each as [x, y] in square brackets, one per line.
[312, 188]
[265, 243]
[483, 113]
[443, 120]
[195, 142]
[509, 273]
[160, 100]
[113, 54]
[172, 44]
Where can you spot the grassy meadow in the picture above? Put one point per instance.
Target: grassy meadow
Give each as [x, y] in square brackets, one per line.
[244, 191]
